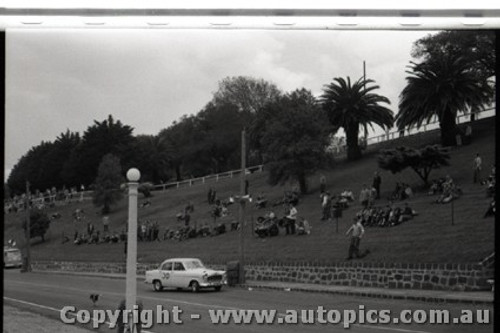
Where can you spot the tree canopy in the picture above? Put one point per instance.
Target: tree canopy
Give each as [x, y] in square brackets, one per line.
[442, 86]
[107, 188]
[248, 94]
[39, 224]
[295, 138]
[353, 105]
[477, 46]
[422, 161]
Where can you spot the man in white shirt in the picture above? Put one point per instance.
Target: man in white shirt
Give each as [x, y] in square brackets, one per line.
[357, 231]
[291, 219]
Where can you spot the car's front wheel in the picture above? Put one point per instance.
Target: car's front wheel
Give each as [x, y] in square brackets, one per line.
[157, 286]
[195, 286]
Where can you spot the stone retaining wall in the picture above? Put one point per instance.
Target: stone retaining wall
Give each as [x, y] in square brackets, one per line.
[401, 276]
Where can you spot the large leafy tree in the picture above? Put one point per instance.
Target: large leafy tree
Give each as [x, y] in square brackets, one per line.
[107, 185]
[477, 46]
[105, 137]
[250, 96]
[39, 224]
[441, 86]
[52, 166]
[221, 127]
[183, 141]
[422, 160]
[152, 158]
[351, 105]
[295, 138]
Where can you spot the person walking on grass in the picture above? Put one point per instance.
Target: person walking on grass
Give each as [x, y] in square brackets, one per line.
[477, 169]
[322, 183]
[356, 231]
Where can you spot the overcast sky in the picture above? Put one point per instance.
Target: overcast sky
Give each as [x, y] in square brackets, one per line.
[65, 79]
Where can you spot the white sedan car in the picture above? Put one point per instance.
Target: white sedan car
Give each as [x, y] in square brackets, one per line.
[183, 273]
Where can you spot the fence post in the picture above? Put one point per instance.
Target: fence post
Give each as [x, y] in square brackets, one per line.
[217, 177]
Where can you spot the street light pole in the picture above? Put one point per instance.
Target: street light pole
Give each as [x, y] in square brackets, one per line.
[133, 176]
[28, 229]
[241, 272]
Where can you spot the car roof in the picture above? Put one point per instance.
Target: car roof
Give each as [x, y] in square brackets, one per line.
[181, 259]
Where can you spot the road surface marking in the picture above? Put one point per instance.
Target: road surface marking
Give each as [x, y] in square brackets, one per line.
[212, 306]
[53, 309]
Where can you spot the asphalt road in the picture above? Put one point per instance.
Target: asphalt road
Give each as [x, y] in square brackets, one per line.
[47, 294]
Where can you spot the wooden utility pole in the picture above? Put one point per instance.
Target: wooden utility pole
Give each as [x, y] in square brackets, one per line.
[241, 272]
[452, 212]
[28, 229]
[364, 88]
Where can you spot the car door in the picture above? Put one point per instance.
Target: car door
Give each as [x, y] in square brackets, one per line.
[166, 274]
[179, 275]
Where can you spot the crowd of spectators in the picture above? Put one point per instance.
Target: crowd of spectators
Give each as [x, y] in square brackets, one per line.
[387, 216]
[42, 199]
[446, 189]
[269, 225]
[402, 191]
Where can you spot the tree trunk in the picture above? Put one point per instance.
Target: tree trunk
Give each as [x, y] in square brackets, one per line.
[351, 134]
[178, 172]
[106, 209]
[449, 129]
[302, 183]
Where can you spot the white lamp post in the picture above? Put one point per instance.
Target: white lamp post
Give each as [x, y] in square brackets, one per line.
[133, 176]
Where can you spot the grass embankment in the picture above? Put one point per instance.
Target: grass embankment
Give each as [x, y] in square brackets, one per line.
[430, 237]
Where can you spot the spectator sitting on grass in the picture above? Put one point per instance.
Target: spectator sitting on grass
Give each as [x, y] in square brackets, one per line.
[204, 230]
[219, 229]
[347, 195]
[434, 189]
[490, 190]
[303, 227]
[490, 182]
[451, 191]
[407, 213]
[261, 201]
[407, 191]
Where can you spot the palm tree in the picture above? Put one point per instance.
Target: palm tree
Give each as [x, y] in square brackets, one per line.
[351, 105]
[441, 86]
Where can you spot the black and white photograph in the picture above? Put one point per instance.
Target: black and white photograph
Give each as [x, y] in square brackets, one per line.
[249, 180]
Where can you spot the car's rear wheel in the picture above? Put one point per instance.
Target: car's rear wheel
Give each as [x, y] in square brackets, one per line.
[218, 288]
[157, 286]
[195, 286]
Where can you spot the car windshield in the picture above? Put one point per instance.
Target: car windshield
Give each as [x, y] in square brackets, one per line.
[193, 264]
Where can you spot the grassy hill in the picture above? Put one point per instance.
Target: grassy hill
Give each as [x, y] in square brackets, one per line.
[430, 237]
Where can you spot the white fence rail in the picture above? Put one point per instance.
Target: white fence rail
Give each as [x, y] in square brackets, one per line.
[486, 113]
